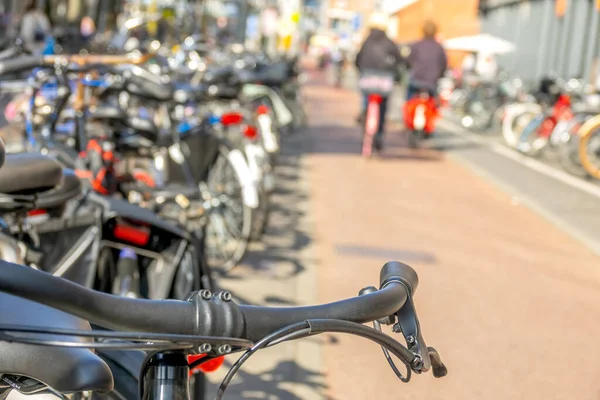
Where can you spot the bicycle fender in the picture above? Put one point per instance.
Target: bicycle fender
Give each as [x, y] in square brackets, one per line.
[244, 174]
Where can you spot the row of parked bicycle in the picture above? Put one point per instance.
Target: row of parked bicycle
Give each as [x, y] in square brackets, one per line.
[130, 180]
[142, 174]
[557, 119]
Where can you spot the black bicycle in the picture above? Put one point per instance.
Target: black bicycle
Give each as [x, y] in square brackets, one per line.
[44, 350]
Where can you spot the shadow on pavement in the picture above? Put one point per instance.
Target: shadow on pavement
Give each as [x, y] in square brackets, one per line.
[273, 384]
[267, 277]
[381, 252]
[278, 254]
[340, 139]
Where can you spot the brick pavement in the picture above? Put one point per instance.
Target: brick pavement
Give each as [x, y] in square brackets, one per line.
[510, 301]
[502, 290]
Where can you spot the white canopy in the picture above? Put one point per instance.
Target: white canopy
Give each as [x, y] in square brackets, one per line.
[480, 43]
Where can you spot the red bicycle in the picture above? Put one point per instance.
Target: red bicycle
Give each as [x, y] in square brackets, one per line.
[420, 114]
[536, 135]
[376, 85]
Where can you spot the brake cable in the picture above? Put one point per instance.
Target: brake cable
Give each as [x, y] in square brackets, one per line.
[386, 354]
[318, 326]
[303, 327]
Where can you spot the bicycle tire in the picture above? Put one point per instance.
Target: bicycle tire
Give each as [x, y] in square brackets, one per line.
[535, 147]
[371, 123]
[585, 134]
[514, 113]
[261, 216]
[413, 139]
[567, 151]
[487, 104]
[244, 235]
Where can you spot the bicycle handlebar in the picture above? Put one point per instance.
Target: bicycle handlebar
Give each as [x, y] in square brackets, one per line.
[20, 64]
[29, 62]
[203, 314]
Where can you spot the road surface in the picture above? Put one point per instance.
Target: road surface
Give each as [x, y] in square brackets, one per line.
[509, 282]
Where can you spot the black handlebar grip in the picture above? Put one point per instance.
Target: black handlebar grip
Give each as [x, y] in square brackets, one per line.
[397, 271]
[20, 64]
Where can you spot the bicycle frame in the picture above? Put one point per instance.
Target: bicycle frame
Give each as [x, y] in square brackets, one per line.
[165, 376]
[371, 122]
[420, 113]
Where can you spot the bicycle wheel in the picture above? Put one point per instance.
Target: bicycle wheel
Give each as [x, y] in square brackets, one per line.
[479, 110]
[589, 146]
[531, 142]
[233, 196]
[414, 138]
[567, 147]
[261, 167]
[371, 124]
[516, 118]
[260, 216]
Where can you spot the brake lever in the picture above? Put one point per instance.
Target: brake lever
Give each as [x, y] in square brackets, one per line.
[408, 325]
[438, 367]
[426, 358]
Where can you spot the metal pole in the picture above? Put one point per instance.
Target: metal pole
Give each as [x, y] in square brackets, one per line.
[204, 19]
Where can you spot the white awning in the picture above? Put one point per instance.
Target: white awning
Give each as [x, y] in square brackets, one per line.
[480, 43]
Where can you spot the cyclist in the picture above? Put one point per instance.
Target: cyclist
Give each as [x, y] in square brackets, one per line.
[427, 61]
[378, 53]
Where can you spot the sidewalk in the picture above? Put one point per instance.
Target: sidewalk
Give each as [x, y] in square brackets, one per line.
[511, 302]
[280, 272]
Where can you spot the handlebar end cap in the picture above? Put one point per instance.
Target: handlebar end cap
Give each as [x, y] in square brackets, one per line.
[397, 271]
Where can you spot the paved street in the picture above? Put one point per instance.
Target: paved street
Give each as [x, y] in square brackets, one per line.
[509, 286]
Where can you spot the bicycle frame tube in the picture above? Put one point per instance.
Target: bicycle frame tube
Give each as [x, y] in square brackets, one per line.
[165, 376]
[373, 114]
[60, 102]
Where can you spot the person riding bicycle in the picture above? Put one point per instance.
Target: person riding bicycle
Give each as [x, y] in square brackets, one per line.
[378, 53]
[427, 62]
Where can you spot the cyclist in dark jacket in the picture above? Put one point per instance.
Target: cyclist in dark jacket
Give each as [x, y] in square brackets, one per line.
[378, 53]
[427, 61]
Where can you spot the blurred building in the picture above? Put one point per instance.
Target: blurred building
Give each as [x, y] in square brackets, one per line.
[453, 17]
[348, 18]
[560, 36]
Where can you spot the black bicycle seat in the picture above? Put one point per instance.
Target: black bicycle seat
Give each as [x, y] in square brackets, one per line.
[66, 370]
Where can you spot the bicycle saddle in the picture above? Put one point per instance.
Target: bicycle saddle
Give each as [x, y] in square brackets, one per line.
[66, 370]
